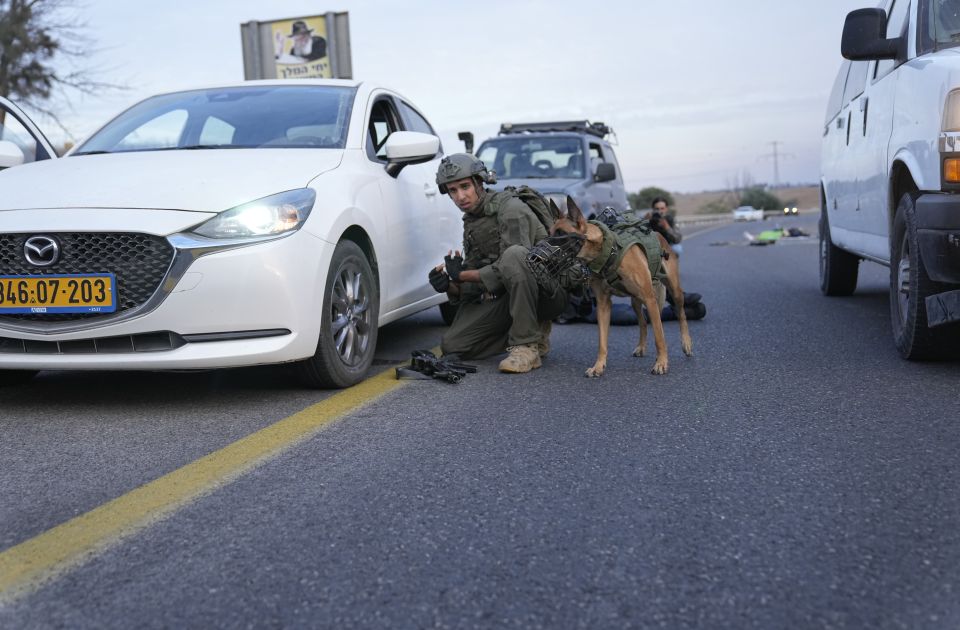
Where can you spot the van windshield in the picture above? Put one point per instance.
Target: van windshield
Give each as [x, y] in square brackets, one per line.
[943, 22]
[534, 158]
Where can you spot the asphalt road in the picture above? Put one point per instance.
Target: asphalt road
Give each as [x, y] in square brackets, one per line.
[794, 473]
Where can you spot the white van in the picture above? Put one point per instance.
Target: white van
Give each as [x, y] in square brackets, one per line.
[890, 168]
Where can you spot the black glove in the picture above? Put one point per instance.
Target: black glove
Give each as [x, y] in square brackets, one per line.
[454, 266]
[439, 280]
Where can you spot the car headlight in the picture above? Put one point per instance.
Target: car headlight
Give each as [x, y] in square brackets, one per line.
[269, 216]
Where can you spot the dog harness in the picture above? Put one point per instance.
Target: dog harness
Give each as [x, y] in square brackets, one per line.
[616, 242]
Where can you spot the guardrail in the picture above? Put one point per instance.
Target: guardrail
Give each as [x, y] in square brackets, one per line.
[703, 219]
[727, 217]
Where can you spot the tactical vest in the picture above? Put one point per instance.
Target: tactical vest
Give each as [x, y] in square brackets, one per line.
[616, 242]
[481, 235]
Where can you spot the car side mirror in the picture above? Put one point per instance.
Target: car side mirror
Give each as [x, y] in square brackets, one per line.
[467, 138]
[10, 154]
[865, 36]
[409, 147]
[606, 172]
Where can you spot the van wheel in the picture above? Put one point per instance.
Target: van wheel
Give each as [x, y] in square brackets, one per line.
[348, 323]
[909, 288]
[838, 268]
[448, 312]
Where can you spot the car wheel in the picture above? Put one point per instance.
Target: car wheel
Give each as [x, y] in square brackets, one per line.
[838, 268]
[448, 312]
[909, 288]
[348, 324]
[12, 378]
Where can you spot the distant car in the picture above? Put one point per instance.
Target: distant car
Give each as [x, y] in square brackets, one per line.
[260, 222]
[789, 211]
[747, 213]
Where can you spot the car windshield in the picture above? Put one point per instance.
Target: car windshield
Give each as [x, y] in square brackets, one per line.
[300, 116]
[943, 22]
[534, 158]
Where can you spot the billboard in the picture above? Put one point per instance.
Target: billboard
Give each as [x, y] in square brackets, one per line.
[316, 46]
[300, 48]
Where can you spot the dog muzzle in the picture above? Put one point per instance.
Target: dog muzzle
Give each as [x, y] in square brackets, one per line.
[554, 255]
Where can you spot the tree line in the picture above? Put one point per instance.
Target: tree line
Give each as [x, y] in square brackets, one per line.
[755, 195]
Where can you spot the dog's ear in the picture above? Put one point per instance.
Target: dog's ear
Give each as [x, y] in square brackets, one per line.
[555, 209]
[575, 214]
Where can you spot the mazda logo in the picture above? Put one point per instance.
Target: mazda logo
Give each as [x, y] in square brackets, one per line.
[41, 251]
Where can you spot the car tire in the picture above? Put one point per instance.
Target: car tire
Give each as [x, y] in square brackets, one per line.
[12, 378]
[448, 312]
[348, 324]
[838, 268]
[909, 288]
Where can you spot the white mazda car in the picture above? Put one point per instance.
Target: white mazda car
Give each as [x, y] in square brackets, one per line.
[262, 222]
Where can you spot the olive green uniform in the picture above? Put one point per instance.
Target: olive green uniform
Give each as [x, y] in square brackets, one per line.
[506, 307]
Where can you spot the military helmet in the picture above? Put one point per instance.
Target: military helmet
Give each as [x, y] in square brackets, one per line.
[461, 166]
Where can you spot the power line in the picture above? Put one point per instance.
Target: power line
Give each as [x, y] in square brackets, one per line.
[775, 156]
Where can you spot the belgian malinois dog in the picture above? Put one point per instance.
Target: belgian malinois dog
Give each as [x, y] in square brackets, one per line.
[634, 274]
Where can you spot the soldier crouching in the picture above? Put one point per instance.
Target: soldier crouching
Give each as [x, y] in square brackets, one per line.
[501, 305]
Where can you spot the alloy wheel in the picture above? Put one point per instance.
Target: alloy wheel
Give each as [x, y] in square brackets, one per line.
[350, 315]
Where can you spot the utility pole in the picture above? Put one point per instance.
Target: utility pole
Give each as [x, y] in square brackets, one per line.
[775, 156]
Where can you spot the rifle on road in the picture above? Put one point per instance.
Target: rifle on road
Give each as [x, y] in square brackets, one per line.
[426, 365]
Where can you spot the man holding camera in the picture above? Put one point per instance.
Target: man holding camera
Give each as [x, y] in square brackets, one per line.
[661, 221]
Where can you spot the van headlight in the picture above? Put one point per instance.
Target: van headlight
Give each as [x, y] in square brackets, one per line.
[269, 216]
[951, 112]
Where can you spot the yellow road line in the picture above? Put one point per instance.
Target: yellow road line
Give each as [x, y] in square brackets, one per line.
[55, 551]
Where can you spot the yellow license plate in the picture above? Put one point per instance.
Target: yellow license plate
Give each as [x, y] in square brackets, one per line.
[73, 293]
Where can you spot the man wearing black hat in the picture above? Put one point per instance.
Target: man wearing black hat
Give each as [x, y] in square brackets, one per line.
[306, 46]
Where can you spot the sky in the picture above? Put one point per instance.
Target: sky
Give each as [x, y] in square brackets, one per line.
[696, 90]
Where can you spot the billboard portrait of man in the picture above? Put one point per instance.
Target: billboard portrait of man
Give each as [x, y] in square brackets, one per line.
[300, 48]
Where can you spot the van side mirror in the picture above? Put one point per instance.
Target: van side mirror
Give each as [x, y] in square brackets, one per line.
[865, 36]
[606, 172]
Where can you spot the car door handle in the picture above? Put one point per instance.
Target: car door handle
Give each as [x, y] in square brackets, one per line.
[864, 107]
[429, 190]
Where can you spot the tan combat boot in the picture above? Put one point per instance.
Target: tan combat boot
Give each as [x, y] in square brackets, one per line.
[543, 346]
[522, 359]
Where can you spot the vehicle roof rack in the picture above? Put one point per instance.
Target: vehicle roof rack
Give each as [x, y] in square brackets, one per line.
[580, 126]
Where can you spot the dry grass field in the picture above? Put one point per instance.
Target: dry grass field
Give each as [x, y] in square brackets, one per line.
[695, 203]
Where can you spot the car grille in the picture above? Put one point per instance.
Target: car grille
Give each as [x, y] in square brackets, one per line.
[139, 262]
[125, 344]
